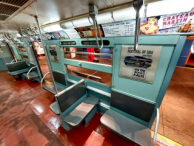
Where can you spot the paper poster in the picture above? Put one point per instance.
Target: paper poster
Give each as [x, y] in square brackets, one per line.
[140, 64]
[165, 24]
[53, 53]
[88, 31]
[123, 28]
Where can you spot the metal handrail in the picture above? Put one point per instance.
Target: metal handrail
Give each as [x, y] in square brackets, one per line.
[43, 78]
[156, 127]
[103, 54]
[30, 71]
[12, 61]
[63, 91]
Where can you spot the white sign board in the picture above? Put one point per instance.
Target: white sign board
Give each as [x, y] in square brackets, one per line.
[140, 64]
[123, 28]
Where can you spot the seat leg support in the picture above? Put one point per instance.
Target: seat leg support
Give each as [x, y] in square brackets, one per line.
[54, 107]
[90, 115]
[66, 126]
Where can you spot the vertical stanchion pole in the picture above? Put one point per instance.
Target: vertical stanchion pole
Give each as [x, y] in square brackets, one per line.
[137, 4]
[50, 69]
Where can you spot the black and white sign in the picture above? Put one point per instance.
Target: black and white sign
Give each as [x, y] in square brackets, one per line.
[140, 64]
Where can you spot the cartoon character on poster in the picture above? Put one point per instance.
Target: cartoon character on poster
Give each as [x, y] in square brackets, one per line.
[187, 27]
[150, 26]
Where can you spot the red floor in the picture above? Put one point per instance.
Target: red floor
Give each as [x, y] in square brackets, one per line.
[92, 134]
[25, 117]
[19, 125]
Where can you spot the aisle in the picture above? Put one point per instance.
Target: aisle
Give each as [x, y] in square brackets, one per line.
[177, 109]
[18, 124]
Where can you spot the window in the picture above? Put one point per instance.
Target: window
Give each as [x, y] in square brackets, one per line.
[103, 56]
[89, 74]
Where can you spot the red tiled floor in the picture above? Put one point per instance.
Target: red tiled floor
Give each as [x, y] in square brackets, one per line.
[79, 135]
[19, 125]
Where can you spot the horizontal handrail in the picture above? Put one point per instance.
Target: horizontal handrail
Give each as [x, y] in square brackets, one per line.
[63, 91]
[30, 71]
[103, 54]
[43, 78]
[93, 89]
[12, 61]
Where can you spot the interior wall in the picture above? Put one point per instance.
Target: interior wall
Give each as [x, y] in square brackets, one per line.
[5, 57]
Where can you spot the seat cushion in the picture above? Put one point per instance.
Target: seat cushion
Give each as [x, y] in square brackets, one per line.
[75, 117]
[126, 127]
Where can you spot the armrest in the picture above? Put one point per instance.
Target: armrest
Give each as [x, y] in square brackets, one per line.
[43, 78]
[30, 71]
[156, 127]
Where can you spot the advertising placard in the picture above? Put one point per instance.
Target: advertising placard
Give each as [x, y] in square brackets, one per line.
[139, 64]
[164, 24]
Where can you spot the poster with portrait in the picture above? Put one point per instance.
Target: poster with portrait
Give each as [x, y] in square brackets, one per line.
[153, 25]
[89, 31]
[140, 64]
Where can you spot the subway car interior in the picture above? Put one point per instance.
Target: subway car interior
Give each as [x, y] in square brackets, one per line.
[96, 72]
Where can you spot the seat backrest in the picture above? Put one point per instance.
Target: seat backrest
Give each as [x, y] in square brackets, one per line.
[135, 107]
[59, 77]
[71, 95]
[16, 66]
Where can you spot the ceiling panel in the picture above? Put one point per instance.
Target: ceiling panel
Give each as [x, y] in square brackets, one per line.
[55, 10]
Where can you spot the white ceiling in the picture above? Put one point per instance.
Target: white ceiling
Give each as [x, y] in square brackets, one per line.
[55, 10]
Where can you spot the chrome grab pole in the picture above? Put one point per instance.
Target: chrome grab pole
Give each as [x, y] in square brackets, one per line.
[137, 4]
[50, 69]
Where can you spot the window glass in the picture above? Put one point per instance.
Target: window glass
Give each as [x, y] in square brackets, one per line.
[103, 56]
[89, 74]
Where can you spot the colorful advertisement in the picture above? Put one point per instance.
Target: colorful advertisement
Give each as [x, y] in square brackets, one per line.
[57, 35]
[165, 24]
[139, 64]
[88, 31]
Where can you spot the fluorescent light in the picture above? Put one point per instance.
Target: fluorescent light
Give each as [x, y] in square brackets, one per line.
[47, 29]
[81, 22]
[169, 7]
[126, 14]
[104, 18]
[56, 27]
[72, 33]
[66, 25]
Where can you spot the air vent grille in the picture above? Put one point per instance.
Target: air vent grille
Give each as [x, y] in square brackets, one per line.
[7, 10]
[8, 7]
[15, 2]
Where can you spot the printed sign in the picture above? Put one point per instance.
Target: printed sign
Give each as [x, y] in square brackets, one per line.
[123, 28]
[53, 53]
[165, 24]
[140, 64]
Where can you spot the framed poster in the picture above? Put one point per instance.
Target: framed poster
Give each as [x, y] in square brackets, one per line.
[53, 53]
[140, 64]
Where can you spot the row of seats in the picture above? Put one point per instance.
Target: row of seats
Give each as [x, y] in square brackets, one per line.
[76, 106]
[21, 68]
